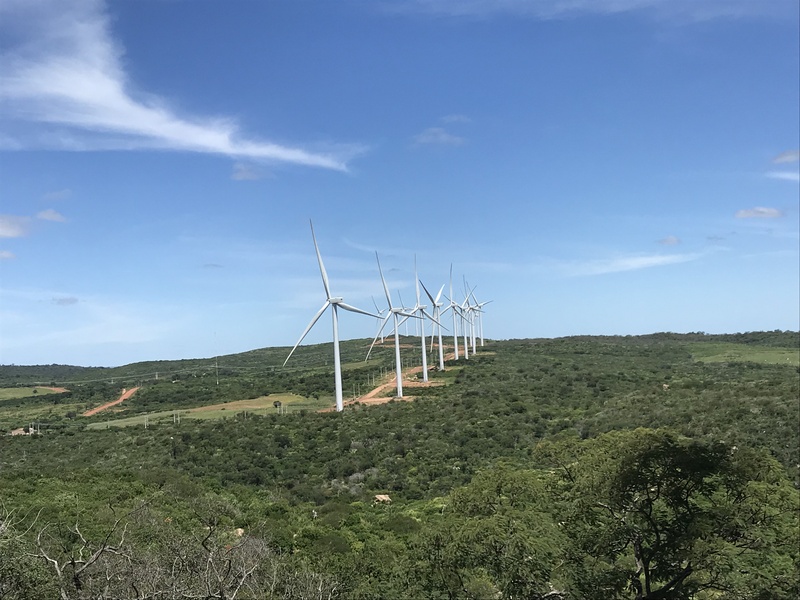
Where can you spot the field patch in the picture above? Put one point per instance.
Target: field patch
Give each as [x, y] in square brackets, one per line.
[26, 392]
[722, 352]
[257, 406]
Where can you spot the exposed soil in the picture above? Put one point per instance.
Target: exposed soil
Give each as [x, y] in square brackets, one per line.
[375, 396]
[52, 389]
[124, 396]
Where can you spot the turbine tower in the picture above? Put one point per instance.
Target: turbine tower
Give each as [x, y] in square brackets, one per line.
[393, 313]
[455, 307]
[479, 309]
[436, 315]
[335, 303]
[421, 313]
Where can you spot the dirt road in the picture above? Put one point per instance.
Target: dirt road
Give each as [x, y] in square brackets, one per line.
[124, 396]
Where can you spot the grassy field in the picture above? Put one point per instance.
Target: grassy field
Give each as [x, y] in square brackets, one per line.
[730, 352]
[22, 392]
[260, 406]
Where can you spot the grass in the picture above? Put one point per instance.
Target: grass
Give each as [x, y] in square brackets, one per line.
[732, 352]
[259, 406]
[23, 392]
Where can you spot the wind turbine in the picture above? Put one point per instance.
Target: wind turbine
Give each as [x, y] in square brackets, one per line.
[380, 312]
[479, 309]
[436, 306]
[455, 307]
[469, 313]
[393, 314]
[419, 310]
[335, 302]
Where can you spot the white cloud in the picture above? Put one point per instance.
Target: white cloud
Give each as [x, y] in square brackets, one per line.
[625, 263]
[7, 255]
[57, 195]
[65, 72]
[12, 226]
[670, 240]
[787, 157]
[679, 10]
[51, 215]
[759, 212]
[245, 172]
[785, 175]
[438, 136]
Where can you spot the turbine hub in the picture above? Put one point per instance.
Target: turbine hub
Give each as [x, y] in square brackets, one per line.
[337, 300]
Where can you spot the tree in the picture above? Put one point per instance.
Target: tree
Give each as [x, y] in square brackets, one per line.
[495, 540]
[652, 515]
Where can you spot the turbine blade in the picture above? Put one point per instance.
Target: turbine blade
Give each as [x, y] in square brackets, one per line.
[427, 293]
[305, 333]
[408, 315]
[356, 310]
[439, 295]
[383, 281]
[416, 278]
[321, 266]
[377, 335]
[451, 280]
[427, 314]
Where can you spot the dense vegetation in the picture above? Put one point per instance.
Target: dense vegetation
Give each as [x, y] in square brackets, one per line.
[662, 466]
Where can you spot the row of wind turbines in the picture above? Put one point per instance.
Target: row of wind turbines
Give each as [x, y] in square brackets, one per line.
[468, 314]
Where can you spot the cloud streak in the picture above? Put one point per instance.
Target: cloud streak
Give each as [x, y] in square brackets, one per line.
[785, 175]
[680, 10]
[437, 136]
[51, 215]
[64, 75]
[759, 212]
[625, 263]
[787, 157]
[13, 227]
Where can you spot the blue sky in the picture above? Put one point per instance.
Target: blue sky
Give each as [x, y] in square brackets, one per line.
[593, 167]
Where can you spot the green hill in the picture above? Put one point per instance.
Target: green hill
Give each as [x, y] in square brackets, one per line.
[541, 466]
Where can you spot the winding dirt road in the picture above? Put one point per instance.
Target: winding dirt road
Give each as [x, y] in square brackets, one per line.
[124, 396]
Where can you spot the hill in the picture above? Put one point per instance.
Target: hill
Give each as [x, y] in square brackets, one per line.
[522, 433]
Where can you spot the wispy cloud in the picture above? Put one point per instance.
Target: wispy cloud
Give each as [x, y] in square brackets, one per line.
[245, 172]
[7, 255]
[625, 263]
[759, 212]
[66, 77]
[785, 175]
[13, 227]
[65, 301]
[57, 195]
[680, 10]
[438, 136]
[787, 157]
[670, 240]
[51, 215]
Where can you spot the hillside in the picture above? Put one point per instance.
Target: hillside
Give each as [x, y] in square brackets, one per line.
[516, 416]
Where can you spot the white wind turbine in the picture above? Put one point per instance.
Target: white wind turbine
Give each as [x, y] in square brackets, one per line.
[393, 313]
[456, 308]
[436, 314]
[380, 312]
[470, 311]
[335, 303]
[479, 309]
[421, 313]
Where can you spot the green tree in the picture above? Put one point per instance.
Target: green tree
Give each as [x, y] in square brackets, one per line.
[652, 515]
